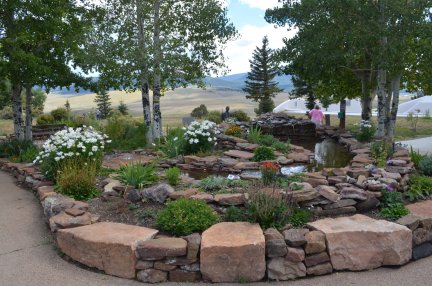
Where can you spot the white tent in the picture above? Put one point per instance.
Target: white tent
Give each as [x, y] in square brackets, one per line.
[298, 105]
[420, 106]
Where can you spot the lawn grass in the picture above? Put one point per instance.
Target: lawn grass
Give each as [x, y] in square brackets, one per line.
[6, 127]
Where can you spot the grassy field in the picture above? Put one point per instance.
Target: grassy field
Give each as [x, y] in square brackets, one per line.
[179, 103]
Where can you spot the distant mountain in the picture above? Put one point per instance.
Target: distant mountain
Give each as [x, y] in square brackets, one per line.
[237, 82]
[229, 82]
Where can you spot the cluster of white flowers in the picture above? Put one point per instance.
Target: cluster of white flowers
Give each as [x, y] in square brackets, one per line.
[365, 124]
[200, 131]
[73, 142]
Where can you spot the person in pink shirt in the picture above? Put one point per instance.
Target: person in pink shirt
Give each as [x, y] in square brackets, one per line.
[316, 115]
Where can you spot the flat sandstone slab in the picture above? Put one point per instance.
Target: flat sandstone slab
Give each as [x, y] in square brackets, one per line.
[421, 209]
[107, 246]
[232, 252]
[361, 243]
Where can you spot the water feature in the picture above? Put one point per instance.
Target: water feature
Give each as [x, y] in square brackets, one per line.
[328, 154]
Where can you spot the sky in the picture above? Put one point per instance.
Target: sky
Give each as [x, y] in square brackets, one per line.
[248, 17]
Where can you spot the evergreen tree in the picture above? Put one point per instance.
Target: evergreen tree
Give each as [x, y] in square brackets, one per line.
[67, 106]
[303, 89]
[122, 108]
[103, 103]
[259, 84]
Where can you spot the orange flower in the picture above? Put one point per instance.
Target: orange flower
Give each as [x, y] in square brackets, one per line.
[269, 166]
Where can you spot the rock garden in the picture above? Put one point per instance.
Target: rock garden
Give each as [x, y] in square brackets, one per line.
[234, 202]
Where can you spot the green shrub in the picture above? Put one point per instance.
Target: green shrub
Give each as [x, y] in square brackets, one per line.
[240, 115]
[60, 114]
[184, 217]
[214, 116]
[269, 209]
[213, 183]
[263, 154]
[200, 111]
[299, 217]
[394, 212]
[19, 150]
[77, 180]
[29, 155]
[425, 165]
[419, 187]
[137, 175]
[126, 133]
[233, 214]
[45, 119]
[6, 113]
[416, 157]
[380, 151]
[281, 146]
[389, 198]
[173, 176]
[173, 143]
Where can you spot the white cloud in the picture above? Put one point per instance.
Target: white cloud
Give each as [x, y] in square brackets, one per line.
[261, 4]
[240, 51]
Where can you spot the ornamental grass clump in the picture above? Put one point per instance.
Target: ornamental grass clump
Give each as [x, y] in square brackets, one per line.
[268, 208]
[184, 217]
[85, 146]
[200, 137]
[77, 181]
[269, 172]
[137, 175]
[173, 176]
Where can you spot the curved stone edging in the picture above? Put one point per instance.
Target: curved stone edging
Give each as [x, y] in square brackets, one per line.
[131, 251]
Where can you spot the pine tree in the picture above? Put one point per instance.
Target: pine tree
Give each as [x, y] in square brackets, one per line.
[259, 84]
[303, 89]
[122, 108]
[103, 102]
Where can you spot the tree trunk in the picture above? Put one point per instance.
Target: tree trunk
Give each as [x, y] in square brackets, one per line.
[17, 111]
[381, 94]
[29, 116]
[157, 53]
[342, 120]
[366, 98]
[395, 85]
[145, 95]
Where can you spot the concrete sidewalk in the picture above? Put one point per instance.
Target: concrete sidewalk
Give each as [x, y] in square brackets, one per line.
[28, 256]
[423, 145]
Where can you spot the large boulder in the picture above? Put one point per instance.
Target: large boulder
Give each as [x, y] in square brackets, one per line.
[360, 243]
[233, 251]
[158, 193]
[107, 246]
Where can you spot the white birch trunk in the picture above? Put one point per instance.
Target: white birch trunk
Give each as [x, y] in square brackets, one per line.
[157, 53]
[145, 95]
[395, 85]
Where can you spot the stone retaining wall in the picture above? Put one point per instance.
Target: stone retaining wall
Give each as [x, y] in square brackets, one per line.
[229, 252]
